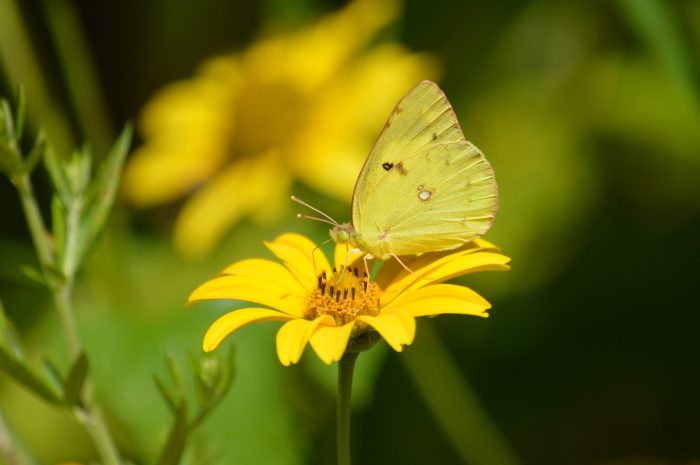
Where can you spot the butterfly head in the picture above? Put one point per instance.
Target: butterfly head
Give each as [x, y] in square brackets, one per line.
[343, 233]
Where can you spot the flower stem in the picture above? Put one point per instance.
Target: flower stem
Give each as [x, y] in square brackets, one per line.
[346, 366]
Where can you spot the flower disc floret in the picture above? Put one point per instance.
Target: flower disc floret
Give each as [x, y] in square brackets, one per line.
[344, 296]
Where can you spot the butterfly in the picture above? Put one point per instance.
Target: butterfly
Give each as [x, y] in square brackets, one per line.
[423, 187]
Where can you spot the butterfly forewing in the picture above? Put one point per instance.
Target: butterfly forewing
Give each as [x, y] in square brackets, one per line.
[422, 118]
[444, 196]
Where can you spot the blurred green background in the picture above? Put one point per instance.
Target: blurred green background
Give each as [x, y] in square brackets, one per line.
[589, 112]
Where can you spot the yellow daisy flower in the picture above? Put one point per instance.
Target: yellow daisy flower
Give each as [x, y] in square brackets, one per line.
[333, 308]
[304, 105]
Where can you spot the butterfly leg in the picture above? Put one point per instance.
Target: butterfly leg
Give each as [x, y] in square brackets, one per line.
[405, 267]
[370, 256]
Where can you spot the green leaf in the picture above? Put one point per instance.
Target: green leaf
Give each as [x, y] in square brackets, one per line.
[8, 335]
[201, 388]
[55, 168]
[78, 171]
[102, 191]
[7, 129]
[175, 375]
[19, 114]
[26, 377]
[58, 222]
[10, 164]
[4, 323]
[75, 380]
[54, 276]
[175, 446]
[55, 378]
[33, 274]
[171, 401]
[35, 154]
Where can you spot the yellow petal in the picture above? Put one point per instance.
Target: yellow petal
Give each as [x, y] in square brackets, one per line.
[251, 290]
[330, 342]
[315, 56]
[235, 320]
[392, 271]
[436, 268]
[265, 270]
[223, 201]
[295, 251]
[441, 298]
[486, 245]
[182, 126]
[293, 336]
[397, 327]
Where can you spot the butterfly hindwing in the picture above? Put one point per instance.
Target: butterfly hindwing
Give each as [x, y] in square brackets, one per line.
[437, 198]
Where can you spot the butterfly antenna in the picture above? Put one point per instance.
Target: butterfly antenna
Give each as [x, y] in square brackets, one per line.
[313, 257]
[297, 200]
[299, 215]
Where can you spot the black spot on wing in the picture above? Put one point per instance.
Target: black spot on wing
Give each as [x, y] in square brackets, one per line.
[387, 166]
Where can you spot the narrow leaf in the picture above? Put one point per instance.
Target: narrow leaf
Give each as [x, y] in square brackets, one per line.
[167, 395]
[35, 154]
[55, 378]
[8, 335]
[102, 191]
[55, 168]
[75, 380]
[10, 163]
[4, 323]
[19, 114]
[200, 386]
[25, 376]
[33, 274]
[58, 222]
[175, 446]
[175, 375]
[54, 275]
[7, 131]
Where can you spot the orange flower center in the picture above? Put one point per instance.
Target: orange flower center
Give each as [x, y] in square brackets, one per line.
[344, 296]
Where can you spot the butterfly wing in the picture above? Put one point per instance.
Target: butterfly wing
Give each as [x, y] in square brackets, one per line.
[423, 187]
[444, 195]
[423, 117]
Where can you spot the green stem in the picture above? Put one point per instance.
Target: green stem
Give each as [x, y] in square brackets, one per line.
[91, 415]
[346, 366]
[34, 220]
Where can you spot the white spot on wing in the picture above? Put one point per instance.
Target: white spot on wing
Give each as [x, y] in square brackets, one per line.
[425, 195]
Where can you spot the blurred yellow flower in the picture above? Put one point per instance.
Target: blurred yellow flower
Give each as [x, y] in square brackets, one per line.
[305, 105]
[330, 309]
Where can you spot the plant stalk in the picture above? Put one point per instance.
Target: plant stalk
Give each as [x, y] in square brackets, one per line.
[346, 366]
[91, 415]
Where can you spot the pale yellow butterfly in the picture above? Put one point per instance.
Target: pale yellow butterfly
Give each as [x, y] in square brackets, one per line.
[423, 188]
